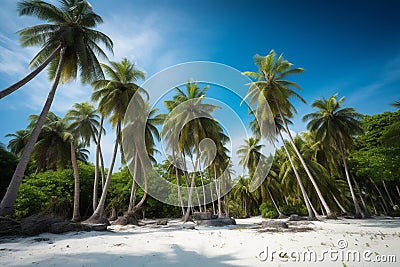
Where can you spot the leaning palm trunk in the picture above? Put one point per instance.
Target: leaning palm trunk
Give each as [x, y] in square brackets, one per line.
[387, 193]
[98, 215]
[366, 211]
[30, 76]
[344, 211]
[133, 189]
[384, 204]
[311, 213]
[96, 169]
[320, 196]
[358, 213]
[8, 202]
[192, 184]
[76, 214]
[281, 215]
[178, 180]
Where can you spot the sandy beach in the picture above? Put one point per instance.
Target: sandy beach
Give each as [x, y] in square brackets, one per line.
[342, 242]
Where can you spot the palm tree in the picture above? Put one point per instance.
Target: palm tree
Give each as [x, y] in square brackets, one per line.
[84, 124]
[241, 193]
[150, 134]
[113, 96]
[190, 123]
[335, 125]
[70, 36]
[271, 83]
[17, 143]
[55, 147]
[250, 154]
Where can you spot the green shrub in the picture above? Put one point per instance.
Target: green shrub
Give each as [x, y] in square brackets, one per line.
[268, 211]
[299, 209]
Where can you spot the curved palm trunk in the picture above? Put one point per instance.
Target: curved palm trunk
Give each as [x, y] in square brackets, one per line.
[191, 192]
[30, 76]
[76, 214]
[339, 205]
[311, 213]
[358, 213]
[320, 196]
[178, 180]
[366, 211]
[96, 169]
[133, 189]
[8, 202]
[98, 215]
[387, 193]
[218, 190]
[281, 215]
[384, 204]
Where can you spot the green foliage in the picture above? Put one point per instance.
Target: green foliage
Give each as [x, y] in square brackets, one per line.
[120, 190]
[299, 209]
[8, 163]
[52, 191]
[268, 211]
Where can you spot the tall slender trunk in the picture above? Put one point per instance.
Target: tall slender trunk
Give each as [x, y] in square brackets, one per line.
[219, 199]
[311, 213]
[76, 213]
[195, 189]
[204, 191]
[398, 190]
[366, 211]
[320, 196]
[133, 188]
[8, 202]
[373, 206]
[312, 207]
[98, 214]
[30, 76]
[275, 205]
[178, 180]
[339, 205]
[96, 167]
[385, 206]
[358, 213]
[387, 193]
[217, 189]
[191, 191]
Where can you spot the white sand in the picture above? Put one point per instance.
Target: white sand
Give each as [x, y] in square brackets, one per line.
[174, 245]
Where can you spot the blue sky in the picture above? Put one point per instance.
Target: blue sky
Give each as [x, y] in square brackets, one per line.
[346, 47]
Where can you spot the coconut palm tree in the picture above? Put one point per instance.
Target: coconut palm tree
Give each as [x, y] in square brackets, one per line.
[336, 126]
[190, 123]
[249, 154]
[56, 147]
[272, 84]
[70, 36]
[150, 134]
[241, 193]
[85, 125]
[113, 96]
[17, 143]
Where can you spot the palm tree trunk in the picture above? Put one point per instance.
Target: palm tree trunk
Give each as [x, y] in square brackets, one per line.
[385, 206]
[76, 214]
[358, 213]
[219, 199]
[178, 180]
[320, 196]
[191, 191]
[311, 213]
[398, 191]
[96, 168]
[204, 191]
[339, 205]
[133, 188]
[30, 76]
[387, 193]
[281, 215]
[8, 202]
[312, 207]
[366, 211]
[98, 214]
[373, 206]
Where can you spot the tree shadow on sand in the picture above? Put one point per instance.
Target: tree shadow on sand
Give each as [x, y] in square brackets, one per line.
[176, 257]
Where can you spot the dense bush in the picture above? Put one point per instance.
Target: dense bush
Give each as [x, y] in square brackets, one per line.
[8, 163]
[268, 211]
[52, 191]
[298, 209]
